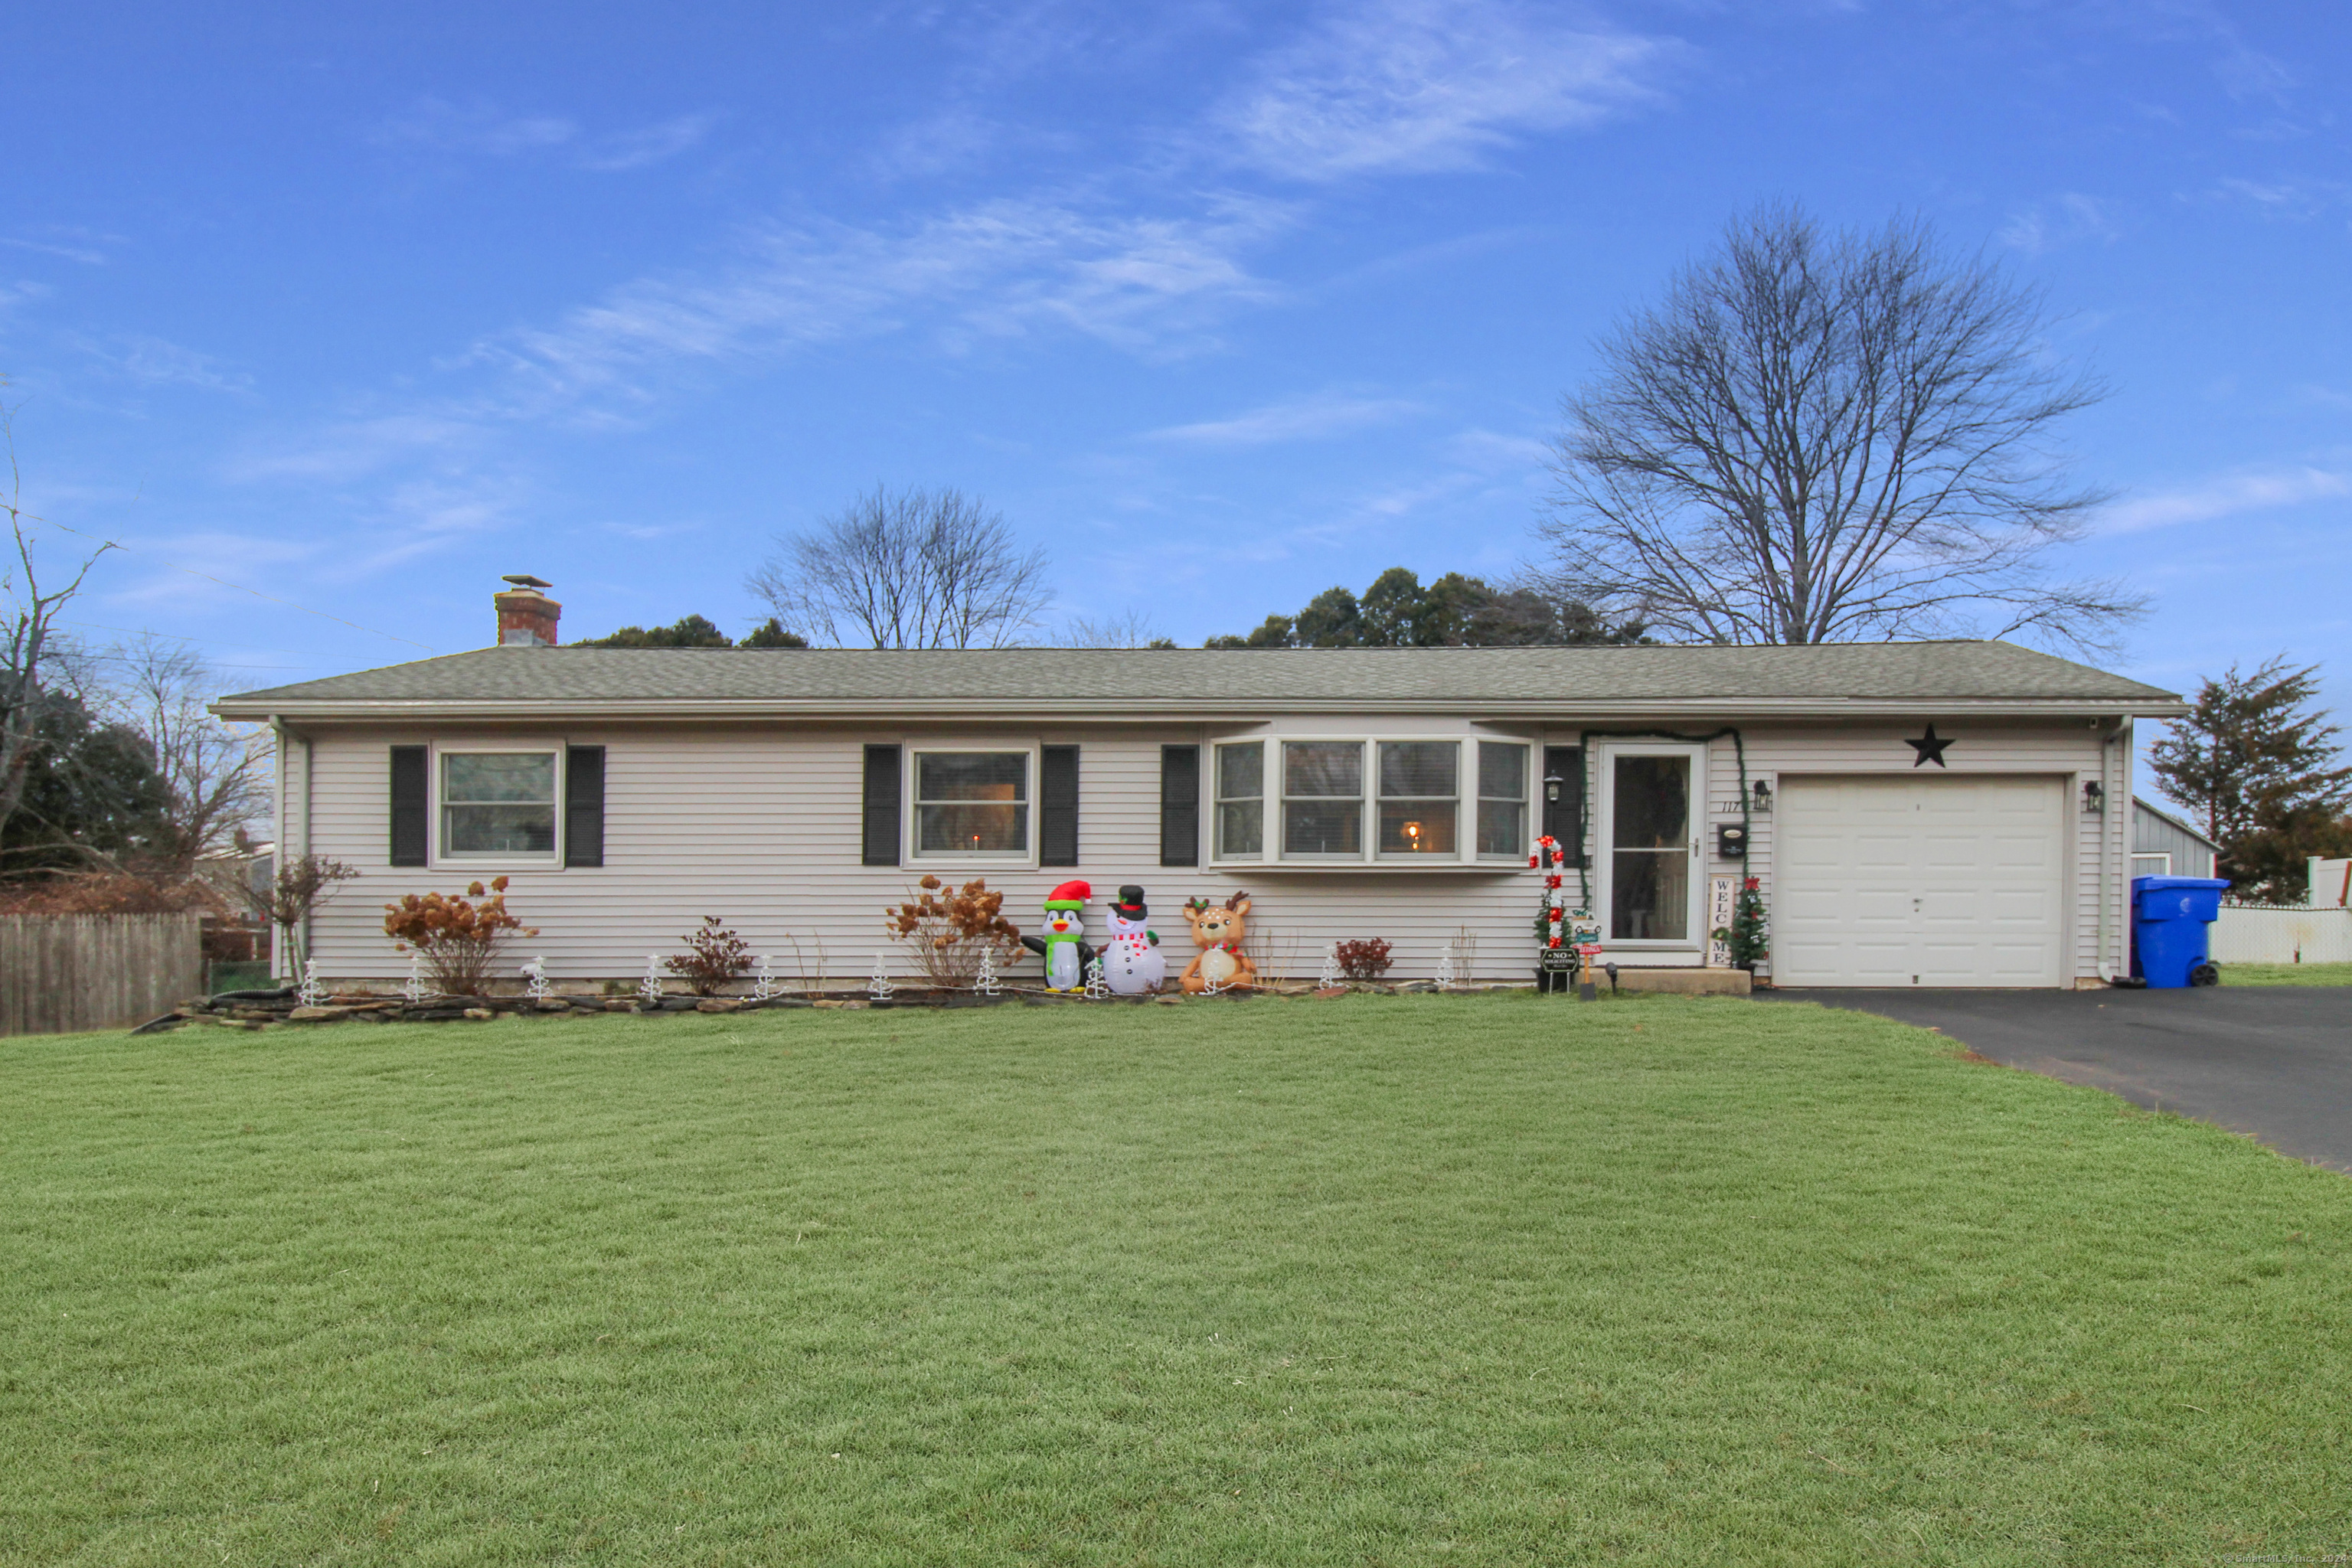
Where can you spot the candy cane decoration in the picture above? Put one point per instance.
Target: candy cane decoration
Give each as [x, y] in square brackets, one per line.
[1554, 902]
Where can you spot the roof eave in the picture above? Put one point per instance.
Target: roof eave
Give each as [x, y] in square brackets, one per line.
[752, 709]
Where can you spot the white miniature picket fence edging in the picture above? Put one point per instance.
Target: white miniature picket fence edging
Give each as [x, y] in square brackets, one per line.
[2272, 933]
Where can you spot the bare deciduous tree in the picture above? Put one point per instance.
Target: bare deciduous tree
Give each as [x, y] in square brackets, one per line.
[288, 898]
[214, 778]
[1822, 438]
[1129, 629]
[28, 637]
[918, 569]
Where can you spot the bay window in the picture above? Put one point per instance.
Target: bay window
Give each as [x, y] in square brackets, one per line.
[1420, 792]
[1502, 800]
[1322, 798]
[1241, 800]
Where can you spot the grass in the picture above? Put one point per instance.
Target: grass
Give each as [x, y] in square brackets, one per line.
[1372, 1280]
[2287, 974]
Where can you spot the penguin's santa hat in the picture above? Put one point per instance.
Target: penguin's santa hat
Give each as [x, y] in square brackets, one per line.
[1070, 895]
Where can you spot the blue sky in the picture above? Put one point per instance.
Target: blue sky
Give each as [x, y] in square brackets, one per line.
[363, 307]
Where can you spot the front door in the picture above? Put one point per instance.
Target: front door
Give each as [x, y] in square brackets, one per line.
[1650, 844]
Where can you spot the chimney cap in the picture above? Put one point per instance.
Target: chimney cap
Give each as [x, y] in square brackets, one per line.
[525, 580]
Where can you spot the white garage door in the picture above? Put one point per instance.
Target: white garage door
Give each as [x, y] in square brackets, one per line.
[1907, 881]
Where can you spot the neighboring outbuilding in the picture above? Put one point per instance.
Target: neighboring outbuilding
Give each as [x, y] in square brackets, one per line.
[1915, 814]
[2164, 845]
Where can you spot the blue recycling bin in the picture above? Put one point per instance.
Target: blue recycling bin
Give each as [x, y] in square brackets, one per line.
[2172, 918]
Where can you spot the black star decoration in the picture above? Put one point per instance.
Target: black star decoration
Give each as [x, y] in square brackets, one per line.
[1930, 749]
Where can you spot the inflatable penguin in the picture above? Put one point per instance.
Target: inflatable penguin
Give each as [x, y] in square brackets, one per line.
[1132, 962]
[1063, 947]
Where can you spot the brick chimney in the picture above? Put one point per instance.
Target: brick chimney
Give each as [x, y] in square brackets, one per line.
[526, 616]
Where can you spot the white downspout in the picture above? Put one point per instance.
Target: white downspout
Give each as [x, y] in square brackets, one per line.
[2118, 803]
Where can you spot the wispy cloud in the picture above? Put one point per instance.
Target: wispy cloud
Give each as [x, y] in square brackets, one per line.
[650, 144]
[352, 449]
[1416, 85]
[89, 256]
[1310, 419]
[2297, 199]
[438, 125]
[998, 269]
[2064, 219]
[13, 296]
[153, 362]
[2225, 497]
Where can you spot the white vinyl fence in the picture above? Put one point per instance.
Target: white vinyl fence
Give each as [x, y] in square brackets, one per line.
[2271, 933]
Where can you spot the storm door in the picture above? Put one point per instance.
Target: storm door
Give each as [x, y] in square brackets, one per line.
[1650, 844]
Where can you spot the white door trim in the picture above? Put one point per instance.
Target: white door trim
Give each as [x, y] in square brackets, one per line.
[1604, 835]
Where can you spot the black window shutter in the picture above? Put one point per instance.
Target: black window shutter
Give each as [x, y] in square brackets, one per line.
[1563, 819]
[1180, 805]
[583, 805]
[410, 815]
[1057, 807]
[881, 805]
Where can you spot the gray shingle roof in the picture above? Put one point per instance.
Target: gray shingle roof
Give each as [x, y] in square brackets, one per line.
[1183, 680]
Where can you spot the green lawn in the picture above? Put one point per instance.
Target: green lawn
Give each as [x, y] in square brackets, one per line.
[1373, 1280]
[2287, 974]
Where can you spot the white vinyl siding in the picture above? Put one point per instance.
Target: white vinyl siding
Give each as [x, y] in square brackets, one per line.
[760, 824]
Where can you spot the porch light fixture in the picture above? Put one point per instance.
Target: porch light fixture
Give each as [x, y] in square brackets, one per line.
[2094, 798]
[1762, 796]
[1551, 787]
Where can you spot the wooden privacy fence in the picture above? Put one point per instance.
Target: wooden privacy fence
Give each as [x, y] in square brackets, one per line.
[63, 972]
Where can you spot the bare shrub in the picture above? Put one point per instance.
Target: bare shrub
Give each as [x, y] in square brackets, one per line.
[950, 930]
[458, 939]
[715, 957]
[287, 899]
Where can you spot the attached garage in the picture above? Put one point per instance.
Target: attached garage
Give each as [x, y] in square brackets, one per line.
[1901, 880]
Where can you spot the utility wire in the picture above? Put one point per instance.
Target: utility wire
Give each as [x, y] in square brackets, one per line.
[118, 544]
[175, 637]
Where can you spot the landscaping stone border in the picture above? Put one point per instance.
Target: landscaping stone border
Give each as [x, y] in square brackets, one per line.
[250, 1013]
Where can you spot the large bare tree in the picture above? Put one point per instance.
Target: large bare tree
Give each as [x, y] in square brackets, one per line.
[1829, 437]
[30, 644]
[214, 778]
[913, 568]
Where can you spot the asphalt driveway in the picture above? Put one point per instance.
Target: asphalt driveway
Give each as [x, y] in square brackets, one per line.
[2274, 1062]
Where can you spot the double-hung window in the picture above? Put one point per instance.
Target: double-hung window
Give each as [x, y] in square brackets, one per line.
[1502, 800]
[1420, 793]
[1241, 800]
[497, 804]
[1322, 799]
[971, 804]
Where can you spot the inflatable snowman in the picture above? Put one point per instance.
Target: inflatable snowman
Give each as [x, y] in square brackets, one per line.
[1132, 962]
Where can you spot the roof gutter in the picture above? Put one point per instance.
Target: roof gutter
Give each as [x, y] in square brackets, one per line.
[1100, 711]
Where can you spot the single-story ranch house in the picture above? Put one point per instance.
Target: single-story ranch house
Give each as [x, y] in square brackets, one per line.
[1915, 814]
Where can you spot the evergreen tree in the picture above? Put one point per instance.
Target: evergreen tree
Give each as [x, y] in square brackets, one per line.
[698, 631]
[770, 633]
[690, 631]
[1454, 611]
[92, 794]
[2257, 760]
